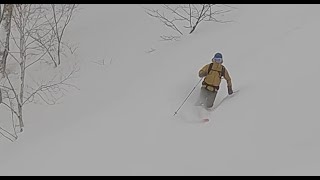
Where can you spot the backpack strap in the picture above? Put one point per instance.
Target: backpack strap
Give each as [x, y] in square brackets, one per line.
[210, 67]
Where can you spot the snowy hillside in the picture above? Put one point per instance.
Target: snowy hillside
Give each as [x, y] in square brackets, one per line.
[121, 121]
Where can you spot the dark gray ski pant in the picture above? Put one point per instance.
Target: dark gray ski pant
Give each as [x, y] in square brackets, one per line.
[206, 98]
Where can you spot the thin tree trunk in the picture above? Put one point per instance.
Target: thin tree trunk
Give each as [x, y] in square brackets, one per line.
[59, 43]
[0, 96]
[198, 20]
[23, 57]
[22, 67]
[5, 28]
[0, 13]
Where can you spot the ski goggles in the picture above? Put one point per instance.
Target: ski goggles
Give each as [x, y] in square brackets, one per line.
[218, 60]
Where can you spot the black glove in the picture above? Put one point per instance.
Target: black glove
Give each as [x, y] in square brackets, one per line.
[230, 91]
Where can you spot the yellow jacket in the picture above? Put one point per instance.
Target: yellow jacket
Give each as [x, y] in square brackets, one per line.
[212, 78]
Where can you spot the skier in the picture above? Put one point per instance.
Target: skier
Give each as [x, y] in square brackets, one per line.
[212, 74]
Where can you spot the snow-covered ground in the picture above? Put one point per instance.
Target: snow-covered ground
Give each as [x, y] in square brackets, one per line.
[121, 121]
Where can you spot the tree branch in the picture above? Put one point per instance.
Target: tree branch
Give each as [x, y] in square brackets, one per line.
[192, 14]
[48, 86]
[163, 19]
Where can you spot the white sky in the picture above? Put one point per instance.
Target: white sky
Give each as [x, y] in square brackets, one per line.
[121, 121]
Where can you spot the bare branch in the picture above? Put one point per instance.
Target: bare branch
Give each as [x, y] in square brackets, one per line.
[151, 50]
[4, 87]
[170, 38]
[12, 88]
[59, 33]
[46, 51]
[229, 6]
[6, 135]
[10, 108]
[163, 19]
[186, 16]
[9, 53]
[53, 86]
[39, 60]
[72, 48]
[176, 12]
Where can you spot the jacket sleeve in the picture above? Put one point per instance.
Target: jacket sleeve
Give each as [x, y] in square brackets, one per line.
[204, 71]
[227, 77]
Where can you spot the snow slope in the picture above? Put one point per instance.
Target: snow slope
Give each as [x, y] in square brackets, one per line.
[122, 123]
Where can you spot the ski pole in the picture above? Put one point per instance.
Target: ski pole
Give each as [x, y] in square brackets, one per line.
[187, 97]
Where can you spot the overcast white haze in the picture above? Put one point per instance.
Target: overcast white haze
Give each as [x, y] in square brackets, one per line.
[121, 120]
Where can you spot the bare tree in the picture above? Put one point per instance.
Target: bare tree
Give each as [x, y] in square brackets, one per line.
[62, 14]
[5, 27]
[34, 50]
[186, 16]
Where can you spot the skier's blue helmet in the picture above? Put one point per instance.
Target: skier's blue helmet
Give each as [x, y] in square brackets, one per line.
[217, 58]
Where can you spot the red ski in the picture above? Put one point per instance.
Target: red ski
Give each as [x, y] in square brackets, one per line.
[205, 120]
